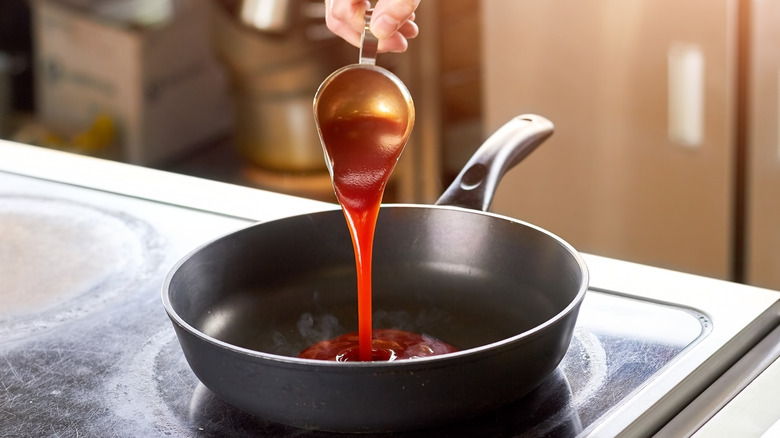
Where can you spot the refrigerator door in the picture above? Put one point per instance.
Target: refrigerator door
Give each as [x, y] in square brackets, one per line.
[642, 95]
[763, 177]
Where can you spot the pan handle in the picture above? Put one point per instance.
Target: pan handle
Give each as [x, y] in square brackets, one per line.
[476, 184]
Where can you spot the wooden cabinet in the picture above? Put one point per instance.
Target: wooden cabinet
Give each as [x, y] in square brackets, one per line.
[762, 122]
[644, 98]
[667, 113]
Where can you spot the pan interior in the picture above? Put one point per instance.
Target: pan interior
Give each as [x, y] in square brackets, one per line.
[466, 278]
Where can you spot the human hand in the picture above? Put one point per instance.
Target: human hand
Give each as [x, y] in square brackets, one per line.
[392, 22]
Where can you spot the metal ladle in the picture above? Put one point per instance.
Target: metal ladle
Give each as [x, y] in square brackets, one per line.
[363, 88]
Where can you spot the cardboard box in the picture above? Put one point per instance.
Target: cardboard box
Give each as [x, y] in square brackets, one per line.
[160, 83]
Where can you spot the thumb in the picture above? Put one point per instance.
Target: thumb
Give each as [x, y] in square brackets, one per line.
[389, 15]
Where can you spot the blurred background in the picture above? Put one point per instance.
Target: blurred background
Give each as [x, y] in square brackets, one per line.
[666, 149]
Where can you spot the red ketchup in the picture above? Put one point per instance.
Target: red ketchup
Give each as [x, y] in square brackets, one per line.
[362, 151]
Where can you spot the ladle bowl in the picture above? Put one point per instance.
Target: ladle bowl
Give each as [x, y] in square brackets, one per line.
[364, 89]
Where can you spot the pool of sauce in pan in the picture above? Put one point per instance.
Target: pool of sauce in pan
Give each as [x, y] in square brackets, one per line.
[362, 152]
[386, 345]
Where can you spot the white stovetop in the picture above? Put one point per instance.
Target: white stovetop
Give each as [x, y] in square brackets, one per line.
[730, 307]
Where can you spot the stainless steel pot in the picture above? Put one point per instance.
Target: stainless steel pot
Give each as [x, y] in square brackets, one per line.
[503, 291]
[275, 69]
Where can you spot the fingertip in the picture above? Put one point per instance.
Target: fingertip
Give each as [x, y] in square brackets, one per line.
[409, 30]
[395, 44]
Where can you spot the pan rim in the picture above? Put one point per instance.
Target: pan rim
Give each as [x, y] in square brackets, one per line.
[485, 350]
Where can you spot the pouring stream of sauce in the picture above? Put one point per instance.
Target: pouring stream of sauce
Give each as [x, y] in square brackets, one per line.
[364, 115]
[363, 151]
[363, 135]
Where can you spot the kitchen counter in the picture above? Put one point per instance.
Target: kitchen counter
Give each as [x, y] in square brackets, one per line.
[220, 161]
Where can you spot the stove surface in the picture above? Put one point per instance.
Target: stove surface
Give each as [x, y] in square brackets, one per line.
[86, 348]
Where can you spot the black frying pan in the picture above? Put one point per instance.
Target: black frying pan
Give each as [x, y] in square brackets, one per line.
[505, 292]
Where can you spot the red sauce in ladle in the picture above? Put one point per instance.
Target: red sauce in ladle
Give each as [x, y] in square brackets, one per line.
[362, 150]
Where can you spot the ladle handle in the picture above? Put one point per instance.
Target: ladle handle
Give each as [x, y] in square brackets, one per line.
[476, 184]
[368, 42]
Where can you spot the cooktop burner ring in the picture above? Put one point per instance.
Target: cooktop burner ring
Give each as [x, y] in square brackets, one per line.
[160, 386]
[91, 258]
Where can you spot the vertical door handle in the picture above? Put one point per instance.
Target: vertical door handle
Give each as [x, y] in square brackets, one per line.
[686, 94]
